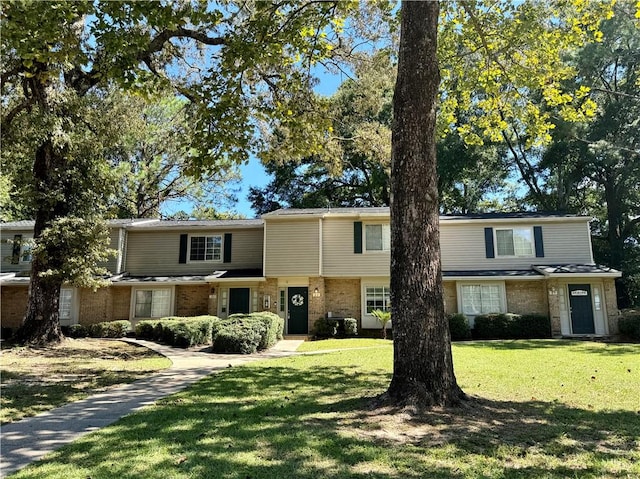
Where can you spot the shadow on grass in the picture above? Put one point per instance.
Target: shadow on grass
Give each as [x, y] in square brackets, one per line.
[279, 422]
[561, 344]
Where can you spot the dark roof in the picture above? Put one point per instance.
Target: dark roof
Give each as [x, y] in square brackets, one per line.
[29, 224]
[513, 215]
[158, 279]
[491, 273]
[198, 223]
[237, 273]
[385, 210]
[574, 269]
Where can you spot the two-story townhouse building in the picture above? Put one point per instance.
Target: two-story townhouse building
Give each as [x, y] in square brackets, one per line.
[304, 264]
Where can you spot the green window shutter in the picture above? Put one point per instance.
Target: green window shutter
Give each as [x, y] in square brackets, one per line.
[537, 238]
[357, 237]
[183, 249]
[17, 247]
[227, 248]
[488, 243]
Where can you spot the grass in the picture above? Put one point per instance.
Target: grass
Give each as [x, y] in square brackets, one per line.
[545, 413]
[348, 343]
[36, 380]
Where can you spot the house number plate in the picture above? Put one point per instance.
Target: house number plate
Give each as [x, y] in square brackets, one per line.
[579, 292]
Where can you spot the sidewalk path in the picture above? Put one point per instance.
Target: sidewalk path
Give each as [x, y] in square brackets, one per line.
[28, 440]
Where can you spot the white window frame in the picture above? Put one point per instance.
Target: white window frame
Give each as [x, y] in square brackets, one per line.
[73, 306]
[503, 296]
[531, 254]
[214, 260]
[368, 320]
[26, 246]
[386, 239]
[135, 289]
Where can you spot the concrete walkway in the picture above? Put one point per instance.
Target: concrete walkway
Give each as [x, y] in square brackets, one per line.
[28, 440]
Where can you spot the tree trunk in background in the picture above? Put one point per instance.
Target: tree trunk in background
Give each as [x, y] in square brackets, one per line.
[423, 368]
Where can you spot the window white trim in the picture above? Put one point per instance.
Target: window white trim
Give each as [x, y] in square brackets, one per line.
[206, 236]
[502, 298]
[386, 238]
[68, 312]
[26, 245]
[528, 229]
[171, 306]
[369, 321]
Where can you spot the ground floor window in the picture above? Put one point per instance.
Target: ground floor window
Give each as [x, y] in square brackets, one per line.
[377, 297]
[66, 306]
[482, 298]
[152, 303]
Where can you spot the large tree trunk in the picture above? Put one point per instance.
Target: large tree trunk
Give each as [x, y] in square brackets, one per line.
[41, 323]
[423, 367]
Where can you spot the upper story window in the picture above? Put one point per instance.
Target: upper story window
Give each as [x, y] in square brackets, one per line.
[514, 242]
[377, 237]
[206, 248]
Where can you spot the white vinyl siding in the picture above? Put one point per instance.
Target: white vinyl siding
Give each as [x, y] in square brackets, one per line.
[293, 247]
[205, 248]
[152, 303]
[339, 259]
[156, 253]
[377, 237]
[482, 298]
[514, 242]
[463, 246]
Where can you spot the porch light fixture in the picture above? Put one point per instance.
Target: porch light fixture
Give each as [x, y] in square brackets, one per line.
[316, 293]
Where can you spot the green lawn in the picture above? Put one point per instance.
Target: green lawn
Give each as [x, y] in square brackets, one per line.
[548, 410]
[36, 380]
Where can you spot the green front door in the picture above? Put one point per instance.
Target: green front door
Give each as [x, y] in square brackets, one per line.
[298, 308]
[239, 300]
[581, 309]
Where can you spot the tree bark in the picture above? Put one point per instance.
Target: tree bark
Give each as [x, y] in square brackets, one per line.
[423, 368]
[41, 323]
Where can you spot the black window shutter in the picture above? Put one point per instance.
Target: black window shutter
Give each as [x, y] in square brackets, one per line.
[183, 249]
[227, 248]
[537, 238]
[17, 246]
[357, 237]
[488, 243]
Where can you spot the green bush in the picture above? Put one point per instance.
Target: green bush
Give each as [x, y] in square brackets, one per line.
[75, 331]
[511, 326]
[272, 327]
[242, 337]
[109, 329]
[183, 332]
[350, 327]
[459, 327]
[629, 326]
[144, 329]
[325, 328]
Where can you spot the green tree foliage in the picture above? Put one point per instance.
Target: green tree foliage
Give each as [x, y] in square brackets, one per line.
[240, 66]
[155, 156]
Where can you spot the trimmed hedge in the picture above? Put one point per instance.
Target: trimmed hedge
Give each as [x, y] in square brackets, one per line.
[629, 326]
[511, 326]
[182, 332]
[459, 327]
[237, 333]
[108, 329]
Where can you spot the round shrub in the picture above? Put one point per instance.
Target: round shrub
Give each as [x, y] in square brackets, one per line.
[350, 327]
